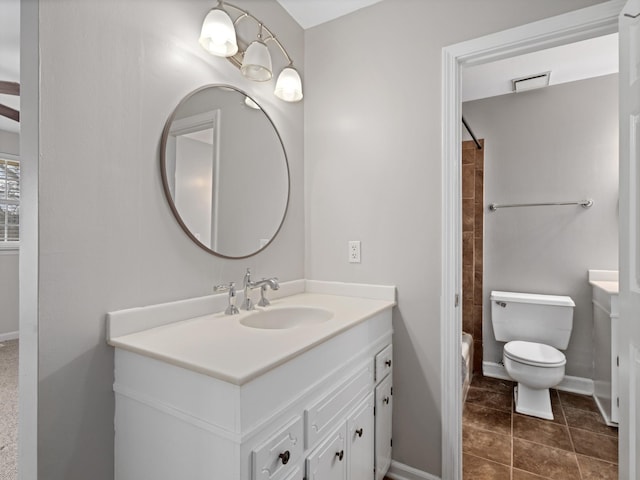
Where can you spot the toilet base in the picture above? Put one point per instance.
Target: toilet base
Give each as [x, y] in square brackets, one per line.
[532, 401]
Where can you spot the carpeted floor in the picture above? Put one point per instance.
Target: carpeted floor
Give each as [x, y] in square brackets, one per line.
[9, 410]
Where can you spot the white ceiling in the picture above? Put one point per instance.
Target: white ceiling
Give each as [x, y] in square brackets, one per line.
[309, 13]
[567, 63]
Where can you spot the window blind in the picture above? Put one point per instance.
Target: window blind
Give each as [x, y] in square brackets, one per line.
[9, 200]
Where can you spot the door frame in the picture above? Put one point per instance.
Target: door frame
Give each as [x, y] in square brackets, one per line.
[598, 20]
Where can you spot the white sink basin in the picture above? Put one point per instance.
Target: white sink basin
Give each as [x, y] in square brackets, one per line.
[286, 317]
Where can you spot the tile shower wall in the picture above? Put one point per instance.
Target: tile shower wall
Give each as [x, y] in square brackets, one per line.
[472, 231]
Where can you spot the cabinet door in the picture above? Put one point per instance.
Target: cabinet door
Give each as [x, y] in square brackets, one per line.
[279, 452]
[296, 474]
[360, 441]
[384, 409]
[328, 461]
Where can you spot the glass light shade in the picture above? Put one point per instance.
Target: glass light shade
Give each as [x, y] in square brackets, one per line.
[250, 103]
[218, 35]
[256, 64]
[289, 85]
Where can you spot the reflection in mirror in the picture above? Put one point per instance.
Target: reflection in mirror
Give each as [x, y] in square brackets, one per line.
[225, 171]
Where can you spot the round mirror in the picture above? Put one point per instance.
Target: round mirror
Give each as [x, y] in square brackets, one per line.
[225, 171]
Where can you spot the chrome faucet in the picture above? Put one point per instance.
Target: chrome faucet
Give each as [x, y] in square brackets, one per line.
[248, 285]
[231, 288]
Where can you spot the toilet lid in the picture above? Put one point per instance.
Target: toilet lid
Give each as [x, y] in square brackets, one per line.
[537, 354]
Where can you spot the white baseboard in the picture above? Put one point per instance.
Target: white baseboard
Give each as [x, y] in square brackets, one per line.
[400, 471]
[604, 413]
[8, 336]
[583, 386]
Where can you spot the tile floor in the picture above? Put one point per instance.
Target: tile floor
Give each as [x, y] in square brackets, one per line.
[499, 444]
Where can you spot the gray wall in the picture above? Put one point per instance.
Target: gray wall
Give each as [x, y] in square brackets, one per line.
[372, 173]
[9, 142]
[9, 319]
[554, 144]
[111, 73]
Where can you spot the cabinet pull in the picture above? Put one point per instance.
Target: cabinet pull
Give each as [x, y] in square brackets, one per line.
[388, 363]
[386, 400]
[285, 457]
[359, 432]
[340, 455]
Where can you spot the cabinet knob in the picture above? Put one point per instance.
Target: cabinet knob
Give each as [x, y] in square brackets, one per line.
[388, 363]
[359, 432]
[285, 457]
[386, 400]
[340, 455]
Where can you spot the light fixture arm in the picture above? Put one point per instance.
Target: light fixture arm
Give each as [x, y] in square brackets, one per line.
[271, 37]
[219, 37]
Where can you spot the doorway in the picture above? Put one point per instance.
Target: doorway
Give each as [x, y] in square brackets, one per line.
[594, 21]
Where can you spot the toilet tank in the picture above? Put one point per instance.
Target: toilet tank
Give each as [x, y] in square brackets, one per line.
[532, 317]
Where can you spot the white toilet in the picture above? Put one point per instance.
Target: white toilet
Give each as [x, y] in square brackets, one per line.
[535, 327]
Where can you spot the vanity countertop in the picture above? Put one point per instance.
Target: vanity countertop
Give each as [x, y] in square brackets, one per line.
[219, 346]
[609, 287]
[605, 280]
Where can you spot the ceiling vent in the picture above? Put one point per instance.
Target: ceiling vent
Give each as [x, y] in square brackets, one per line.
[531, 82]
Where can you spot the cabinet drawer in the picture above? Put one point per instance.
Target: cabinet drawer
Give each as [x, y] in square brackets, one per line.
[296, 474]
[279, 453]
[328, 461]
[325, 414]
[383, 362]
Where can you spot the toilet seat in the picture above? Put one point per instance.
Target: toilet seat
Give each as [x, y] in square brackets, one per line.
[535, 354]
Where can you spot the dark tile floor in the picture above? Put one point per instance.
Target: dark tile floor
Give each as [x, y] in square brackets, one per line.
[500, 444]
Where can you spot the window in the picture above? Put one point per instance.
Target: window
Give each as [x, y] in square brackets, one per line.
[9, 201]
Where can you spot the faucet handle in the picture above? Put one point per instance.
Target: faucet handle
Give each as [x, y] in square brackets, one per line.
[231, 288]
[225, 287]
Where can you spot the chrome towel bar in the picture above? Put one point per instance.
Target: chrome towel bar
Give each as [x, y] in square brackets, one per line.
[583, 203]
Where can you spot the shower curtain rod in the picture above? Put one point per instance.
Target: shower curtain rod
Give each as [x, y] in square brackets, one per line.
[583, 203]
[471, 133]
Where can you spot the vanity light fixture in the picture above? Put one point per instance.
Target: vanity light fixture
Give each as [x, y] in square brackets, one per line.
[256, 63]
[251, 104]
[219, 36]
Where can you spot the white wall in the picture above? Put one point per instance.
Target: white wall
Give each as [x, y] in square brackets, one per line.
[9, 142]
[9, 317]
[9, 259]
[111, 73]
[554, 144]
[372, 173]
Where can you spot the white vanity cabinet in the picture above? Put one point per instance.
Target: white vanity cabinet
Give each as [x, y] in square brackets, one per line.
[361, 440]
[309, 416]
[605, 351]
[383, 412]
[348, 453]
